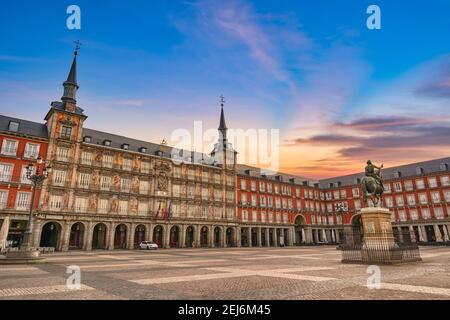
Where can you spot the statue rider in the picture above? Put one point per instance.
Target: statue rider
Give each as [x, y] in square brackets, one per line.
[371, 172]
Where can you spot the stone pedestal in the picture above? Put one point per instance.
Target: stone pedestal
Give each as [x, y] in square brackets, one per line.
[377, 227]
[23, 256]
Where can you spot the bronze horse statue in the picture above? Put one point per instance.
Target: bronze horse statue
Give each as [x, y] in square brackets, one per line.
[373, 190]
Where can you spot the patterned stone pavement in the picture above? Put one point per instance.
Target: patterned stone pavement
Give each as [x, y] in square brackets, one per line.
[304, 273]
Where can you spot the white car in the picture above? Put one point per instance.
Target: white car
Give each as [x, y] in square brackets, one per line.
[148, 245]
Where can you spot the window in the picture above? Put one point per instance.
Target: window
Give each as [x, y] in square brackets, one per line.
[423, 198]
[81, 204]
[143, 187]
[436, 197]
[31, 150]
[425, 213]
[432, 182]
[254, 216]
[413, 214]
[13, 126]
[276, 189]
[445, 181]
[125, 185]
[177, 172]
[399, 200]
[244, 215]
[191, 174]
[217, 179]
[262, 186]
[145, 167]
[270, 202]
[269, 187]
[9, 147]
[23, 176]
[105, 183]
[143, 207]
[6, 171]
[107, 143]
[204, 193]
[335, 194]
[59, 177]
[103, 205]
[420, 184]
[108, 160]
[397, 186]
[86, 157]
[176, 190]
[402, 215]
[23, 201]
[55, 202]
[3, 198]
[205, 176]
[66, 132]
[62, 154]
[123, 207]
[277, 203]
[387, 187]
[253, 185]
[343, 194]
[357, 205]
[389, 202]
[355, 192]
[411, 199]
[243, 184]
[83, 180]
[262, 201]
[87, 139]
[438, 213]
[127, 164]
[408, 185]
[447, 195]
[263, 216]
[253, 199]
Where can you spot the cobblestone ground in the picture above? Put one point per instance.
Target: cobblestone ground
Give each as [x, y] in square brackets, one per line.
[232, 273]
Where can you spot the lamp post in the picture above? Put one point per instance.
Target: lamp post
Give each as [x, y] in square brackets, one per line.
[36, 174]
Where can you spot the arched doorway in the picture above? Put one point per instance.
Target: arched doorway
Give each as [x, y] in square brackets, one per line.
[217, 236]
[254, 237]
[189, 237]
[230, 235]
[263, 237]
[204, 236]
[99, 236]
[158, 233]
[300, 222]
[174, 237]
[50, 235]
[244, 237]
[271, 237]
[139, 235]
[76, 236]
[120, 237]
[357, 229]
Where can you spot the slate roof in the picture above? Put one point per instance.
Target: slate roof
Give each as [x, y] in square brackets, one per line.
[28, 128]
[256, 172]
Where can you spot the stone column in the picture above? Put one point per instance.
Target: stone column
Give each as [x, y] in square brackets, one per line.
[275, 237]
[437, 233]
[37, 230]
[446, 235]
[249, 236]
[4, 232]
[238, 237]
[197, 236]
[291, 236]
[223, 233]
[130, 236]
[424, 233]
[65, 237]
[333, 237]
[150, 232]
[412, 233]
[87, 238]
[309, 235]
[211, 236]
[282, 236]
[266, 230]
[324, 235]
[337, 235]
[166, 238]
[258, 236]
[183, 236]
[110, 236]
[400, 234]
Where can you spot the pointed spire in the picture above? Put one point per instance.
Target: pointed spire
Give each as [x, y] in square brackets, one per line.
[222, 125]
[71, 85]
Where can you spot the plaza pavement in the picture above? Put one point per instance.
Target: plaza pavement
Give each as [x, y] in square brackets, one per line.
[302, 273]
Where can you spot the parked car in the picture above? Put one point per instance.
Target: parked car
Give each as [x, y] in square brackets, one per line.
[148, 245]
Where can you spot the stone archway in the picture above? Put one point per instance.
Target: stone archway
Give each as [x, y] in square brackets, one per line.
[76, 236]
[357, 229]
[99, 236]
[50, 235]
[174, 240]
[230, 237]
[158, 233]
[244, 237]
[139, 235]
[204, 236]
[190, 232]
[217, 237]
[300, 223]
[120, 237]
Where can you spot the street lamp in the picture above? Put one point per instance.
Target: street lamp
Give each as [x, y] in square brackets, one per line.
[36, 174]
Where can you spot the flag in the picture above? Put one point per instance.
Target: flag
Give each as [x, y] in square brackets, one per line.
[169, 209]
[157, 212]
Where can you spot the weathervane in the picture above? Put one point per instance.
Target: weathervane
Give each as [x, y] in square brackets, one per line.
[222, 100]
[77, 47]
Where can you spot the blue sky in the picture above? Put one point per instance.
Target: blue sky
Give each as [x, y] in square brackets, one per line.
[338, 92]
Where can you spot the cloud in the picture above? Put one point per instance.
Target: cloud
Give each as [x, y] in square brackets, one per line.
[437, 81]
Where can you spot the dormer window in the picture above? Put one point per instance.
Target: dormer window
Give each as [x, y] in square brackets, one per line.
[305, 183]
[397, 174]
[143, 149]
[339, 183]
[125, 146]
[419, 170]
[443, 167]
[13, 126]
[87, 139]
[331, 185]
[107, 143]
[292, 180]
[247, 172]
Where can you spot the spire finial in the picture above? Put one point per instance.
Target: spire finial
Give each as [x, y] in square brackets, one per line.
[222, 100]
[77, 46]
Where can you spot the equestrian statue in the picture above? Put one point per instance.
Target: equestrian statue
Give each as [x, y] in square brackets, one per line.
[372, 184]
